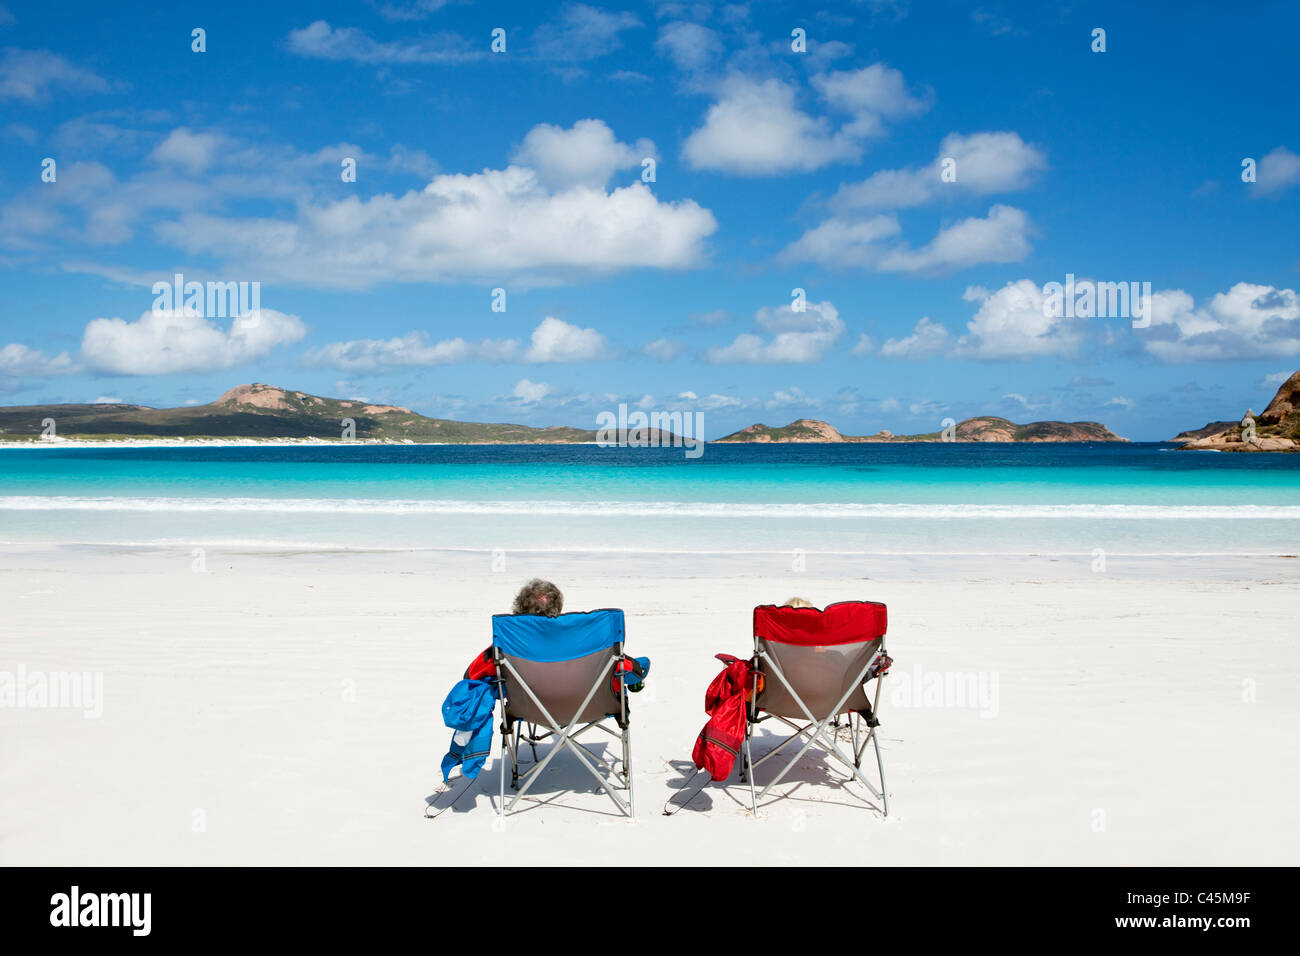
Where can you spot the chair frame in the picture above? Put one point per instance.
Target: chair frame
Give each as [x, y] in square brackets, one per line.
[815, 730]
[565, 736]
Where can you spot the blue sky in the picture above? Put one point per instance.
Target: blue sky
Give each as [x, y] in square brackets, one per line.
[774, 170]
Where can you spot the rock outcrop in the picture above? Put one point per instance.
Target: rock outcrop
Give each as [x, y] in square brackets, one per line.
[982, 429]
[1276, 428]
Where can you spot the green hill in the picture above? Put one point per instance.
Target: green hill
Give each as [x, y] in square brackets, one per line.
[267, 412]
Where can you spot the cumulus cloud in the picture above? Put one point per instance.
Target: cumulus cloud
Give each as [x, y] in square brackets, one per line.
[1014, 323]
[983, 163]
[756, 129]
[846, 243]
[31, 76]
[690, 46]
[376, 355]
[1247, 321]
[530, 393]
[865, 345]
[870, 95]
[20, 361]
[485, 226]
[192, 151]
[927, 340]
[586, 154]
[841, 243]
[1278, 170]
[795, 337]
[555, 340]
[165, 342]
[1001, 236]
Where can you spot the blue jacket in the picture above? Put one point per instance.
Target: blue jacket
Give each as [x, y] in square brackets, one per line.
[468, 711]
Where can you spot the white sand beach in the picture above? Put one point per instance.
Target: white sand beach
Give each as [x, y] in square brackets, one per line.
[284, 708]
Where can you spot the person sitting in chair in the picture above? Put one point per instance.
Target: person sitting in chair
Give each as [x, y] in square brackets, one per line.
[536, 597]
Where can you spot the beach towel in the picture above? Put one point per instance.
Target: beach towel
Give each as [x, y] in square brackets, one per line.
[719, 741]
[468, 712]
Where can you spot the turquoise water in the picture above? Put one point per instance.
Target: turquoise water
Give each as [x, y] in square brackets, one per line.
[934, 498]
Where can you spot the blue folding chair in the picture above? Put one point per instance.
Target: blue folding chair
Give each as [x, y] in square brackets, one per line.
[566, 675]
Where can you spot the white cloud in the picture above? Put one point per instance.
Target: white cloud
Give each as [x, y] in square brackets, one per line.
[586, 154]
[20, 361]
[712, 402]
[999, 237]
[321, 41]
[690, 46]
[797, 337]
[845, 243]
[555, 340]
[792, 396]
[865, 345]
[192, 151]
[31, 75]
[756, 129]
[1013, 323]
[374, 355]
[107, 400]
[1277, 171]
[582, 33]
[1247, 321]
[530, 393]
[413, 10]
[870, 95]
[486, 226]
[1119, 401]
[984, 163]
[166, 342]
[664, 350]
[927, 339]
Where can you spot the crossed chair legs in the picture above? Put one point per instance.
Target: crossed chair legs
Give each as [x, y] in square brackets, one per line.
[815, 732]
[565, 737]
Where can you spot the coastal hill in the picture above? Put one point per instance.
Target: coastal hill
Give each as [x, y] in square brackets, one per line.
[260, 411]
[1277, 427]
[985, 428]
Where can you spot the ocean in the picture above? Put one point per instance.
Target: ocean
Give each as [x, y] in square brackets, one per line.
[878, 499]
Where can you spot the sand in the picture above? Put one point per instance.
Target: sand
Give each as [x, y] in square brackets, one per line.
[284, 708]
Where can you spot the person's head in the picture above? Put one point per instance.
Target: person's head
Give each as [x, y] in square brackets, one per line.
[539, 597]
[797, 602]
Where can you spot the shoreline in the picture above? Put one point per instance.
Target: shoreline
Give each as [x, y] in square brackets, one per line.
[406, 442]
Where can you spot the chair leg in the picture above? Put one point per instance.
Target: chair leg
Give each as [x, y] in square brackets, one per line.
[880, 765]
[505, 747]
[748, 768]
[627, 770]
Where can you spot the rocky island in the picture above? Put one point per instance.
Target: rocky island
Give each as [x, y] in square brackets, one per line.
[1276, 428]
[986, 428]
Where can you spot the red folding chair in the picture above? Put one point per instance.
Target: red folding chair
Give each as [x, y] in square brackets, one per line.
[814, 666]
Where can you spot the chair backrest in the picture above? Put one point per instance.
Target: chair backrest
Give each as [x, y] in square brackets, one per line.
[821, 654]
[559, 658]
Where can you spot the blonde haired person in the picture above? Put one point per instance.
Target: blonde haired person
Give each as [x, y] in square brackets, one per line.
[797, 602]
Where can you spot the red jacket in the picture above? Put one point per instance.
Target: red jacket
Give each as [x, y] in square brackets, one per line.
[719, 742]
[482, 667]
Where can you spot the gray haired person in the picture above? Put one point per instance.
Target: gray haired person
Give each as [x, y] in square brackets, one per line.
[539, 597]
[536, 597]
